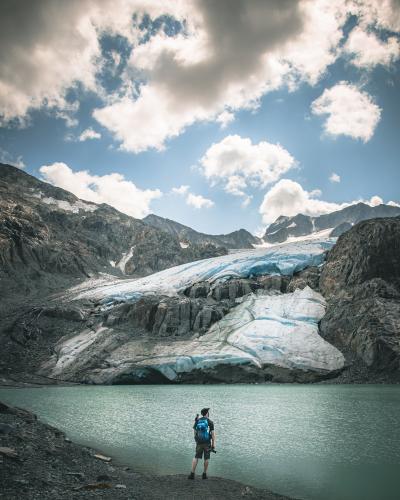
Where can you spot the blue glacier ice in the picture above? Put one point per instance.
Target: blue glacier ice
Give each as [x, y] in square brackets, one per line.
[265, 332]
[283, 259]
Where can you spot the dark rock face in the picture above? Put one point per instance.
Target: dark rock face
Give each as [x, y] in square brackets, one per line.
[168, 316]
[340, 229]
[361, 280]
[307, 277]
[236, 239]
[341, 221]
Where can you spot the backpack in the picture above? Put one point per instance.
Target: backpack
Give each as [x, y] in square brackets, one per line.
[202, 432]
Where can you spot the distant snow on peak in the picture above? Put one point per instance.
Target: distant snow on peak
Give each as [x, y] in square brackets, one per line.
[66, 205]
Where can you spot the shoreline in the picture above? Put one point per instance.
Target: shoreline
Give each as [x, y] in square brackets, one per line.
[39, 462]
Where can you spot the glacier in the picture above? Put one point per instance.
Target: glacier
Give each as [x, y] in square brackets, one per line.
[267, 334]
[280, 259]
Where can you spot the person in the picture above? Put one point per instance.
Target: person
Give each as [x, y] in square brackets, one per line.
[204, 435]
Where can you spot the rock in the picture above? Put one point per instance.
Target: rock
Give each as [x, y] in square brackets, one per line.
[340, 229]
[102, 457]
[4, 408]
[8, 452]
[6, 428]
[361, 280]
[121, 486]
[307, 277]
[103, 478]
[96, 486]
[79, 475]
[369, 250]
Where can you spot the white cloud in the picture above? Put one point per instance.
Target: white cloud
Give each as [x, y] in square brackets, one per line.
[193, 200]
[289, 198]
[198, 201]
[181, 190]
[367, 50]
[334, 177]
[350, 111]
[375, 201]
[9, 159]
[225, 118]
[226, 57]
[54, 47]
[237, 163]
[112, 189]
[230, 55]
[89, 133]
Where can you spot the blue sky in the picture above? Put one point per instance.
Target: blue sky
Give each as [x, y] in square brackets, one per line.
[129, 109]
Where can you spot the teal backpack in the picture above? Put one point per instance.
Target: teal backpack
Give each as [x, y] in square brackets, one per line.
[202, 431]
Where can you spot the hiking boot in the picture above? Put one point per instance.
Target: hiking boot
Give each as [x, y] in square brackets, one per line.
[191, 475]
[204, 476]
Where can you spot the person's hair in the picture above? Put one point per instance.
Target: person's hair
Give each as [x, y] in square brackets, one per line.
[204, 411]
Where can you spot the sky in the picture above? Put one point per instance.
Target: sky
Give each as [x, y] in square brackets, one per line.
[219, 114]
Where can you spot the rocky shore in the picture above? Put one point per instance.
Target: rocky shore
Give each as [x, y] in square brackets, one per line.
[39, 462]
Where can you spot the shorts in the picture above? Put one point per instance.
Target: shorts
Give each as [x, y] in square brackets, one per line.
[203, 448]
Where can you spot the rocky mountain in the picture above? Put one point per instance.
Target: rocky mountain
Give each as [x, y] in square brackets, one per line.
[49, 236]
[339, 222]
[361, 281]
[188, 236]
[299, 311]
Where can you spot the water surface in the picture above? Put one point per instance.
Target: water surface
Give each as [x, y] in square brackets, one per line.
[313, 442]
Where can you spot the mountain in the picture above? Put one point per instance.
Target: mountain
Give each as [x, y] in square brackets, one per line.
[91, 295]
[49, 236]
[187, 235]
[361, 282]
[339, 222]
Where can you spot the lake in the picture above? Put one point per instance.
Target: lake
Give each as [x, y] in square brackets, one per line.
[313, 442]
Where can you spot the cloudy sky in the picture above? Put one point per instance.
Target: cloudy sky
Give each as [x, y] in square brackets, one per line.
[219, 114]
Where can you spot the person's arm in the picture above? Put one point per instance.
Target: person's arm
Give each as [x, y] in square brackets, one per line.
[212, 432]
[213, 439]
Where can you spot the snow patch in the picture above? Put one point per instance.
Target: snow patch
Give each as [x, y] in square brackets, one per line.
[66, 205]
[183, 244]
[124, 259]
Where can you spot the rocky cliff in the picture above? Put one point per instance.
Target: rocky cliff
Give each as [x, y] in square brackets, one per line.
[361, 282]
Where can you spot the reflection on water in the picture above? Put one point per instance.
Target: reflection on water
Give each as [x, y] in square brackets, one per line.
[313, 442]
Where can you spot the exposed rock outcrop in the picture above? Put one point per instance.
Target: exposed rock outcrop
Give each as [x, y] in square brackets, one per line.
[361, 280]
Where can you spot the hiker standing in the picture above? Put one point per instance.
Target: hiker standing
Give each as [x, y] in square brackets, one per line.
[204, 435]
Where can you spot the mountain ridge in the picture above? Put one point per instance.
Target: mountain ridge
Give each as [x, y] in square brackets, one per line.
[339, 221]
[240, 238]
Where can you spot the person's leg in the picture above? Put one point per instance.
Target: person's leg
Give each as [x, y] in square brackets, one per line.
[194, 464]
[206, 459]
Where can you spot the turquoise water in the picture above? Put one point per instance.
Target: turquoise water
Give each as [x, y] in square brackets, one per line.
[308, 441]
